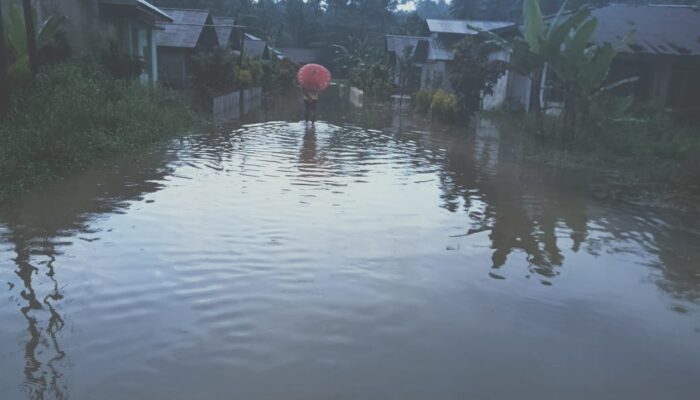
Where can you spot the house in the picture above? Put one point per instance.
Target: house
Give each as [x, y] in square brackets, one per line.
[228, 33]
[433, 54]
[254, 47]
[663, 51]
[131, 26]
[191, 32]
[300, 55]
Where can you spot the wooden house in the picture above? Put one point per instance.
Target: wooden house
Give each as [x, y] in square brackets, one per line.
[191, 32]
[132, 26]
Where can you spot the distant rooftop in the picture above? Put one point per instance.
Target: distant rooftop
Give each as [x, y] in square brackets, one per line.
[223, 27]
[300, 55]
[656, 29]
[144, 6]
[185, 30]
[254, 48]
[462, 27]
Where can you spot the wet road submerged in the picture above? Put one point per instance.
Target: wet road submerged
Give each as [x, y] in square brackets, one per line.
[274, 261]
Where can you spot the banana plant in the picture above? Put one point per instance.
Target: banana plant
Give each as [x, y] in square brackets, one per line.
[542, 40]
[582, 70]
[17, 41]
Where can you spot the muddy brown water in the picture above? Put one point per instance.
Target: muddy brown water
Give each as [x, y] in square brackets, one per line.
[399, 261]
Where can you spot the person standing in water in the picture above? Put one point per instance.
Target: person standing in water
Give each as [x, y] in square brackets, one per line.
[310, 101]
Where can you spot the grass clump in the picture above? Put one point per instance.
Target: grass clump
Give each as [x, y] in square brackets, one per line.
[75, 114]
[616, 134]
[441, 106]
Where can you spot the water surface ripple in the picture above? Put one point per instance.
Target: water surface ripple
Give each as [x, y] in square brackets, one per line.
[277, 261]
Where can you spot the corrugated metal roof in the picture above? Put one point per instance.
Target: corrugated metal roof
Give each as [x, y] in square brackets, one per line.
[185, 30]
[665, 30]
[155, 11]
[462, 26]
[254, 48]
[300, 55]
[223, 27]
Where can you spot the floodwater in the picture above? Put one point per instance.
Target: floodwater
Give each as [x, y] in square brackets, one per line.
[367, 258]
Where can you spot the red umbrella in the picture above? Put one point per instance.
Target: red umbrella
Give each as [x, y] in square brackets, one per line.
[314, 77]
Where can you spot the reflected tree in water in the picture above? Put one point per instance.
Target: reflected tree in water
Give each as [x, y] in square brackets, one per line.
[36, 227]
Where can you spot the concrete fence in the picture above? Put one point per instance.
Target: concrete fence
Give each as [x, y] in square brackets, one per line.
[233, 105]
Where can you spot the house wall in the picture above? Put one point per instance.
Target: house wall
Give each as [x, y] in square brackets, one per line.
[500, 90]
[434, 75]
[83, 30]
[172, 65]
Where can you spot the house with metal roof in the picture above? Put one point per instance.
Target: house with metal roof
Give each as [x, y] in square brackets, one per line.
[129, 27]
[227, 32]
[433, 54]
[191, 32]
[658, 44]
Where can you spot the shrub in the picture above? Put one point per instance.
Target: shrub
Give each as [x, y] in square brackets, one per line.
[215, 72]
[423, 100]
[76, 114]
[119, 65]
[472, 74]
[443, 108]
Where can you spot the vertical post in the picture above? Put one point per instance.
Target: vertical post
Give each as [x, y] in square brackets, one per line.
[4, 84]
[240, 60]
[31, 35]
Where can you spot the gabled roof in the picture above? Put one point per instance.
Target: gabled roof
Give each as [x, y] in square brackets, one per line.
[301, 55]
[254, 48]
[185, 30]
[143, 6]
[419, 46]
[462, 26]
[251, 37]
[223, 27]
[664, 30]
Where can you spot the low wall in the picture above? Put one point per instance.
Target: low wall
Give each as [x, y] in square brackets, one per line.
[356, 96]
[233, 105]
[227, 106]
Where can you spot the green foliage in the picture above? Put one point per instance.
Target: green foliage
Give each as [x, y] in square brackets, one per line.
[50, 42]
[216, 71]
[534, 25]
[76, 114]
[472, 74]
[119, 65]
[443, 107]
[365, 67]
[423, 100]
[221, 71]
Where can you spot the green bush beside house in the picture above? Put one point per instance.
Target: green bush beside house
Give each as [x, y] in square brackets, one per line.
[76, 114]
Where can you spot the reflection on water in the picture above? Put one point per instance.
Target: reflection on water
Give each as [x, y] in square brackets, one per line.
[390, 260]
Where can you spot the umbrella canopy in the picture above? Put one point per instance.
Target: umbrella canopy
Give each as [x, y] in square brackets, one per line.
[314, 77]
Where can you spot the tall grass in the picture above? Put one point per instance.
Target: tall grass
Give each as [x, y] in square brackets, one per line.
[648, 142]
[75, 114]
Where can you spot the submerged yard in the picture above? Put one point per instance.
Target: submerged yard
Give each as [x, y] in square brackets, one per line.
[378, 258]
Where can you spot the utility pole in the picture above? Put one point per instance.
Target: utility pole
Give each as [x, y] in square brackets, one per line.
[31, 35]
[4, 81]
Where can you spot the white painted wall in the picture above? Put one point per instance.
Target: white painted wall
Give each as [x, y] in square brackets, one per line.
[500, 91]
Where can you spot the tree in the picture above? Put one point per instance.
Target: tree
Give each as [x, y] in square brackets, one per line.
[473, 75]
[4, 83]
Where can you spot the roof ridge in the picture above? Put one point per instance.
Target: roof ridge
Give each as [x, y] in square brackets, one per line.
[409, 36]
[469, 20]
[186, 9]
